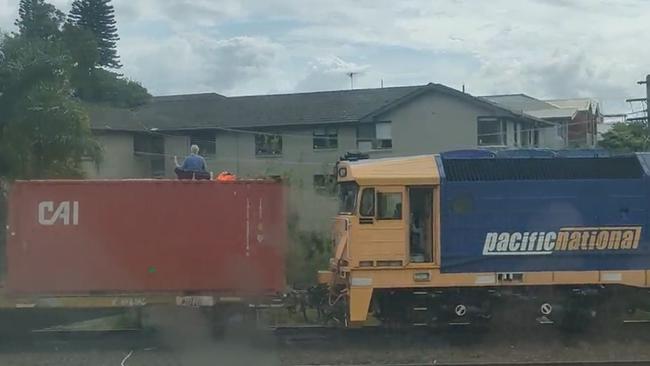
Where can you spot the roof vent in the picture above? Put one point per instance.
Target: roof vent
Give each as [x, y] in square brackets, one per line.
[464, 170]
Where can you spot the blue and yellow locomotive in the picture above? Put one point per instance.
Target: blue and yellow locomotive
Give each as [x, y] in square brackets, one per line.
[450, 238]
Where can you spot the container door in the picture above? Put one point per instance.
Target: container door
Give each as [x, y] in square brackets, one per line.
[381, 240]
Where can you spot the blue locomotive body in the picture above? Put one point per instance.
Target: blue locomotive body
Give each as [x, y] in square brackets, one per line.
[508, 214]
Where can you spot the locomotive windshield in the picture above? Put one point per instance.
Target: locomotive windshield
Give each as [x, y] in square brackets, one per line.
[347, 197]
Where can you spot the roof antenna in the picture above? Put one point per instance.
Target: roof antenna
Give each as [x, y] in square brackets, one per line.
[463, 88]
[382, 83]
[351, 75]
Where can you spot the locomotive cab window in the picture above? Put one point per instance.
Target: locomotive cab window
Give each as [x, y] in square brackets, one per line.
[347, 192]
[367, 206]
[389, 206]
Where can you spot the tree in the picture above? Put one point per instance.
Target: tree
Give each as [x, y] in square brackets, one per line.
[44, 131]
[38, 19]
[98, 16]
[106, 86]
[94, 84]
[627, 137]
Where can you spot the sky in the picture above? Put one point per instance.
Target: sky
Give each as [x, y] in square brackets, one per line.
[544, 48]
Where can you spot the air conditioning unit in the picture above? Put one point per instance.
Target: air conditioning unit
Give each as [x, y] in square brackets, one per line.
[364, 146]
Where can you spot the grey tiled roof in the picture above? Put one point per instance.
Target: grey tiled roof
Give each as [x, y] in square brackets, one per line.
[553, 113]
[519, 102]
[212, 110]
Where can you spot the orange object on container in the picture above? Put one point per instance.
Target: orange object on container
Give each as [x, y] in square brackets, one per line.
[226, 177]
[146, 236]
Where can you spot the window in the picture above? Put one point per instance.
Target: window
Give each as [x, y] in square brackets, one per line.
[205, 140]
[525, 137]
[148, 144]
[374, 136]
[367, 203]
[389, 206]
[152, 148]
[516, 134]
[325, 183]
[268, 144]
[158, 167]
[326, 138]
[562, 131]
[347, 197]
[491, 131]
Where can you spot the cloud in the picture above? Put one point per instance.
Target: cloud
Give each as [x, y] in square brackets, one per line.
[546, 48]
[188, 63]
[330, 73]
[180, 14]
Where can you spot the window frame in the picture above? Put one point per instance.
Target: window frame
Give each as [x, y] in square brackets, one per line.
[378, 206]
[150, 148]
[327, 140]
[148, 141]
[374, 202]
[269, 153]
[207, 146]
[328, 186]
[354, 190]
[377, 144]
[503, 130]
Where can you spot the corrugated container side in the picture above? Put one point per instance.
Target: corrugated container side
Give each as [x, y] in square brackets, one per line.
[146, 236]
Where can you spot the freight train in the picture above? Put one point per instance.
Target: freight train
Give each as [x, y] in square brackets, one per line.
[462, 237]
[472, 236]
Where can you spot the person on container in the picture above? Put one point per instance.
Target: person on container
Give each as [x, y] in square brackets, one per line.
[193, 166]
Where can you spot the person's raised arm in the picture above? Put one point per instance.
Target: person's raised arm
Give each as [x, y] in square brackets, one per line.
[176, 161]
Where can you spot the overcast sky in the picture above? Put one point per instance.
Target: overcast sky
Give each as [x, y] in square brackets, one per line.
[544, 48]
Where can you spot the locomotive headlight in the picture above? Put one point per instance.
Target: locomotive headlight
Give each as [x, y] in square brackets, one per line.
[421, 276]
[343, 172]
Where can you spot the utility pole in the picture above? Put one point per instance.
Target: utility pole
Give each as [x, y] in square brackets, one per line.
[646, 119]
[647, 97]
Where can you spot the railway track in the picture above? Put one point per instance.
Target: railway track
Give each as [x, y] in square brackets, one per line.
[323, 346]
[530, 363]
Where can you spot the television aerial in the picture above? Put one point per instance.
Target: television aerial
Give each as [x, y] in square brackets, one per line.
[351, 75]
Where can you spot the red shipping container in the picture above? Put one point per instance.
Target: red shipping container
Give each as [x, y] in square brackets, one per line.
[146, 236]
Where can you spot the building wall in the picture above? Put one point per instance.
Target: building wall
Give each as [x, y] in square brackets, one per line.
[119, 160]
[298, 164]
[175, 146]
[435, 123]
[431, 123]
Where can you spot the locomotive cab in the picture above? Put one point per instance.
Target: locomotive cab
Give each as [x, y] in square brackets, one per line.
[387, 220]
[384, 219]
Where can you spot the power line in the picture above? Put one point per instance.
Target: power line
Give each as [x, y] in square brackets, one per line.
[216, 159]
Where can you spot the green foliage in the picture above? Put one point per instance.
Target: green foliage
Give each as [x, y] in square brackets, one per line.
[105, 86]
[38, 19]
[82, 46]
[87, 42]
[98, 17]
[49, 135]
[627, 137]
[44, 132]
[308, 252]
